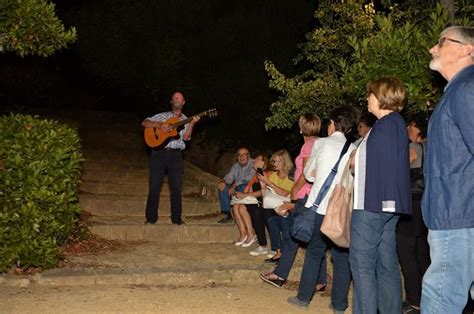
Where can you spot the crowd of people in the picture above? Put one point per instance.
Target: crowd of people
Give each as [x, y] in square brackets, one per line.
[388, 232]
[413, 195]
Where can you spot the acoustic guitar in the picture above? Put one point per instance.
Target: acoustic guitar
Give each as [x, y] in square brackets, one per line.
[156, 137]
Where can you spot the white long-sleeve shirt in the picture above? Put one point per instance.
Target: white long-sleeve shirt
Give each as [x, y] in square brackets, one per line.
[323, 157]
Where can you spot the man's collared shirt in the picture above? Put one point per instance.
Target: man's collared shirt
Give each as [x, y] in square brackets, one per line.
[240, 174]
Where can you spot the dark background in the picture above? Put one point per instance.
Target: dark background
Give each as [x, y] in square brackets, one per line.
[131, 55]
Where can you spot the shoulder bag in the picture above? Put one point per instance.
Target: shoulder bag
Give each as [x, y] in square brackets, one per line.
[337, 221]
[302, 227]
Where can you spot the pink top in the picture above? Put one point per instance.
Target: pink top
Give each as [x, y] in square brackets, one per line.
[304, 153]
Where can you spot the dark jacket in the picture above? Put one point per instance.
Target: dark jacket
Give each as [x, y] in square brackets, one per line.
[387, 182]
[448, 200]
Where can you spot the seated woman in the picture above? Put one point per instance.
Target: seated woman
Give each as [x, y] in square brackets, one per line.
[281, 183]
[249, 217]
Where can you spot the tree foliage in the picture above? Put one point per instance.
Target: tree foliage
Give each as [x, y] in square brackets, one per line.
[352, 45]
[31, 27]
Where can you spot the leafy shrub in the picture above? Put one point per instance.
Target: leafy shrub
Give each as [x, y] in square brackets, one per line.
[40, 164]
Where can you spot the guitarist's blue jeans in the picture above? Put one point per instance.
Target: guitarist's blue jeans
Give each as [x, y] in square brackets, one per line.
[161, 162]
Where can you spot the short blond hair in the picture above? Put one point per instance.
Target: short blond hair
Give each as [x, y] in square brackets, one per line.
[310, 124]
[390, 93]
[286, 159]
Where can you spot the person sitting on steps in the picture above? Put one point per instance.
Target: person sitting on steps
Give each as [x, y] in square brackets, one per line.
[235, 181]
[252, 214]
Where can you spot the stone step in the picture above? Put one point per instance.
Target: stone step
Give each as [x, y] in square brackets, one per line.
[159, 263]
[132, 188]
[99, 174]
[129, 205]
[195, 230]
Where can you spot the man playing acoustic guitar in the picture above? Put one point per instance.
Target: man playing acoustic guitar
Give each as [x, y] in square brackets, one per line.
[168, 158]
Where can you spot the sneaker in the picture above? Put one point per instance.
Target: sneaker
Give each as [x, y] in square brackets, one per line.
[226, 219]
[296, 302]
[335, 311]
[259, 251]
[271, 254]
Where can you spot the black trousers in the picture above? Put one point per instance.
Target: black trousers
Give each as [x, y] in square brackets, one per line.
[258, 223]
[165, 162]
[413, 252]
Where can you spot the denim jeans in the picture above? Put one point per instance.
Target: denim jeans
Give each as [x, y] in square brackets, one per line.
[315, 253]
[278, 228]
[447, 281]
[289, 247]
[374, 263]
[225, 197]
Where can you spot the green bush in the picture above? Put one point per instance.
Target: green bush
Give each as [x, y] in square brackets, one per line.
[40, 165]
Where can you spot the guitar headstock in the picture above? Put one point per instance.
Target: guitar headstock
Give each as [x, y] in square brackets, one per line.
[211, 113]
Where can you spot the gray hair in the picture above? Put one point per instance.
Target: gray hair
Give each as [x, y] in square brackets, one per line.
[465, 33]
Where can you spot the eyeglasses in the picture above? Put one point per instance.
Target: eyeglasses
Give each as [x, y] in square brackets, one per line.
[244, 154]
[274, 161]
[443, 40]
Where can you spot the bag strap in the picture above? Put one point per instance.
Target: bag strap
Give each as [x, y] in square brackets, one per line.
[422, 154]
[327, 183]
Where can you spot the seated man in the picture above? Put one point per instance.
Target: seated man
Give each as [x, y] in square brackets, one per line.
[235, 180]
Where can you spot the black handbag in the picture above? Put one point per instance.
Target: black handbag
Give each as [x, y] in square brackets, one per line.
[302, 227]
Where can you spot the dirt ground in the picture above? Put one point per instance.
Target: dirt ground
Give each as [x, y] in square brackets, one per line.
[260, 298]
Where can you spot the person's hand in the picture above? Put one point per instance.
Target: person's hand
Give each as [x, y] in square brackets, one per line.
[294, 194]
[166, 127]
[240, 195]
[221, 185]
[232, 191]
[284, 209]
[263, 179]
[195, 120]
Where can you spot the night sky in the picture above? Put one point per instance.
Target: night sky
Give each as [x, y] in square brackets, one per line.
[131, 55]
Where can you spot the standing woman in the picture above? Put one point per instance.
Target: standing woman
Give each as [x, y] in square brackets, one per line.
[412, 243]
[310, 125]
[381, 193]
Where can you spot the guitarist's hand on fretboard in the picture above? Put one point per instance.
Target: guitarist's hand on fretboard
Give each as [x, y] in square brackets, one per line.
[195, 120]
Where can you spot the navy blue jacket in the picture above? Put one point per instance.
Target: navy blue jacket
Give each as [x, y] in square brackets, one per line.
[387, 182]
[448, 200]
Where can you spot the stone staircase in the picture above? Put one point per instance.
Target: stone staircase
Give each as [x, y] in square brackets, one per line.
[114, 187]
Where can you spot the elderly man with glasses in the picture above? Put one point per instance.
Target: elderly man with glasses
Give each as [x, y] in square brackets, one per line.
[448, 200]
[235, 181]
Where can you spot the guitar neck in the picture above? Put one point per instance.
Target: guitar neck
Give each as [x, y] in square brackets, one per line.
[183, 122]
